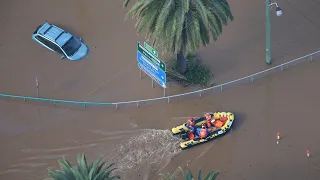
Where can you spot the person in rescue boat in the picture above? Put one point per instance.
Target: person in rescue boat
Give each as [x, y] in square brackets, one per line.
[203, 132]
[191, 124]
[208, 118]
[191, 127]
[213, 124]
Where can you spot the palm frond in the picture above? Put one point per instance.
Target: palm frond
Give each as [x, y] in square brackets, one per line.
[82, 165]
[180, 25]
[95, 167]
[136, 8]
[211, 176]
[83, 171]
[66, 167]
[163, 17]
[201, 11]
[166, 176]
[59, 175]
[125, 4]
[200, 175]
[189, 176]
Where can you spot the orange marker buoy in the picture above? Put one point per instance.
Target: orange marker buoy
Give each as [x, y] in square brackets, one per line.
[308, 153]
[278, 135]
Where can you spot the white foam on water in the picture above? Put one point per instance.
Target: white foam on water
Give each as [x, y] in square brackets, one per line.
[151, 147]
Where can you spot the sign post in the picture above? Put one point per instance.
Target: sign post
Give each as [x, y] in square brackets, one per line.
[149, 63]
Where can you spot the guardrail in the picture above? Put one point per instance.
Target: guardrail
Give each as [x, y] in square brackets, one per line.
[250, 78]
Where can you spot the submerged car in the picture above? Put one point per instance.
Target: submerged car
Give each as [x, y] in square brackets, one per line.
[58, 40]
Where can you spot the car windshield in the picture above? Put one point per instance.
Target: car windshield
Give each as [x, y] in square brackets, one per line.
[71, 46]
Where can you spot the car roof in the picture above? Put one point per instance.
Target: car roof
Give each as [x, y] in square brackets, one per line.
[54, 33]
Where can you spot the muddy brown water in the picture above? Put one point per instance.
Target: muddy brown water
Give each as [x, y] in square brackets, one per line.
[34, 136]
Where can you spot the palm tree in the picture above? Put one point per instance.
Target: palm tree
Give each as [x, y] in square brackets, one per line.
[83, 171]
[188, 175]
[179, 26]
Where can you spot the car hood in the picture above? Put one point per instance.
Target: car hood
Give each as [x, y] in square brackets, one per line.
[81, 53]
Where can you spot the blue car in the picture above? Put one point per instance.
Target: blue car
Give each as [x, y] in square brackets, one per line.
[58, 40]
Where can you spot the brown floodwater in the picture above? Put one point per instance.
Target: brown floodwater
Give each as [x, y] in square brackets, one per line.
[34, 136]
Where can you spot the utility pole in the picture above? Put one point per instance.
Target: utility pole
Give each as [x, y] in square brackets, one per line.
[268, 33]
[268, 28]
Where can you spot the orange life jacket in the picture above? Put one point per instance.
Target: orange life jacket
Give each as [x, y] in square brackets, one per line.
[191, 135]
[223, 118]
[218, 123]
[203, 133]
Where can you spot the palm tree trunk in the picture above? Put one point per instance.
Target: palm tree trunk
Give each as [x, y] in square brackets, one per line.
[182, 62]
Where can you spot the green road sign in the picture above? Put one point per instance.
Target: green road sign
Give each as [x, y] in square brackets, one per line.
[150, 49]
[151, 57]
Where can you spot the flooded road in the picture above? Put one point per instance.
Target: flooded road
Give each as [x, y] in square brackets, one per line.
[34, 136]
[142, 146]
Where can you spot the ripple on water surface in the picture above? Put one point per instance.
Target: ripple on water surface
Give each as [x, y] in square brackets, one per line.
[141, 153]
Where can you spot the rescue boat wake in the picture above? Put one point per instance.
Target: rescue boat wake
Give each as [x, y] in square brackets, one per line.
[145, 152]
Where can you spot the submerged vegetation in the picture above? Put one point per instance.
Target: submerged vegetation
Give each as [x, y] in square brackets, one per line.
[196, 73]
